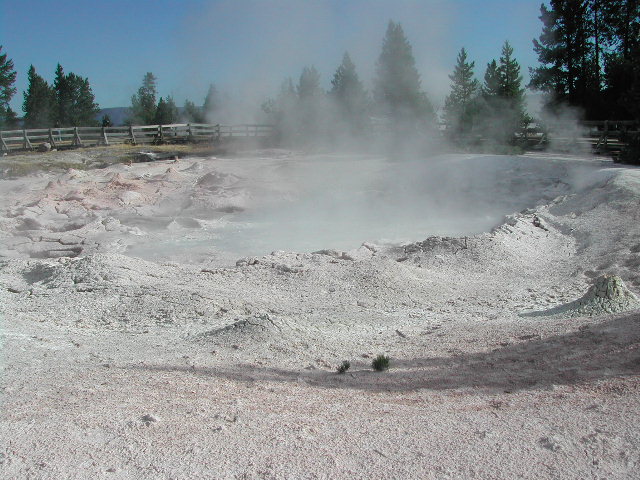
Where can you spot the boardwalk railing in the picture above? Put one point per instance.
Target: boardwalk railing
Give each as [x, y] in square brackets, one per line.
[601, 136]
[11, 140]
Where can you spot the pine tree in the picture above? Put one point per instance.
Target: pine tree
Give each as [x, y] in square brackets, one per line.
[212, 101]
[621, 38]
[10, 118]
[7, 91]
[397, 86]
[143, 104]
[39, 101]
[309, 103]
[192, 113]
[74, 101]
[282, 111]
[460, 106]
[82, 108]
[491, 86]
[567, 52]
[349, 94]
[309, 84]
[502, 111]
[511, 90]
[63, 99]
[166, 112]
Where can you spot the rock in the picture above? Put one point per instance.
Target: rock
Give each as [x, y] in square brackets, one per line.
[44, 147]
[340, 255]
[550, 443]
[146, 157]
[243, 262]
[148, 419]
[538, 223]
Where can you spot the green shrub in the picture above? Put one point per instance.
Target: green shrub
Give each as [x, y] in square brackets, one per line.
[344, 366]
[380, 363]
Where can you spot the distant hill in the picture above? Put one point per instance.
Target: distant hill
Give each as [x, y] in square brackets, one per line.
[118, 115]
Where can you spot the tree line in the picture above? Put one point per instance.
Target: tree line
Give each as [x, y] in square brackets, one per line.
[493, 110]
[304, 112]
[588, 52]
[145, 110]
[68, 101]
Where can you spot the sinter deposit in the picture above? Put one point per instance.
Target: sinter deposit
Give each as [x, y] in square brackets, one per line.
[185, 320]
[608, 294]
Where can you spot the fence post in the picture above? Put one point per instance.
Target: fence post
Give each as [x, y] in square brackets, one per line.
[5, 147]
[189, 134]
[51, 140]
[77, 142]
[160, 134]
[606, 133]
[26, 142]
[218, 132]
[133, 137]
[104, 136]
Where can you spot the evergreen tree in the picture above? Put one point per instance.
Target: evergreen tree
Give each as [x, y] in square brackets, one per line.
[491, 86]
[502, 101]
[7, 91]
[397, 87]
[83, 108]
[282, 111]
[212, 101]
[63, 99]
[567, 53]
[10, 118]
[621, 38]
[39, 101]
[309, 84]
[192, 113]
[143, 104]
[621, 24]
[166, 112]
[349, 94]
[309, 103]
[460, 106]
[74, 101]
[511, 90]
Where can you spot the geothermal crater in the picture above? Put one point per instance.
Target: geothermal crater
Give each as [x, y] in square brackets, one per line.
[168, 317]
[208, 209]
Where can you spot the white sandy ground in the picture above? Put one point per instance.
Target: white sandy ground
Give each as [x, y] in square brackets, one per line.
[133, 346]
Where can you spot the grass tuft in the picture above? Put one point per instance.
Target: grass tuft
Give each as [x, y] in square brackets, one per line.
[380, 363]
[344, 366]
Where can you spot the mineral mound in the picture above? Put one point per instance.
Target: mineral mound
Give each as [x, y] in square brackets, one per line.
[607, 295]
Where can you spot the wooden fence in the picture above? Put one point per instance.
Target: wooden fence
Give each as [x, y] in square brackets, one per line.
[601, 136]
[12, 140]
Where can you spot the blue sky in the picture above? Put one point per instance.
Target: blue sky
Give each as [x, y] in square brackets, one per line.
[247, 48]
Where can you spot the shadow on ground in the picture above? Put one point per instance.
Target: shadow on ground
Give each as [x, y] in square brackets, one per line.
[594, 352]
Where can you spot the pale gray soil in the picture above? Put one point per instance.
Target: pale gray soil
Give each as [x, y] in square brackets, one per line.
[148, 332]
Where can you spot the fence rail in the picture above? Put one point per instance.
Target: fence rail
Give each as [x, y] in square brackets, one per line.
[606, 135]
[12, 140]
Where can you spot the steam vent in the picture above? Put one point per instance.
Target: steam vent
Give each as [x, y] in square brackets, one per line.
[607, 295]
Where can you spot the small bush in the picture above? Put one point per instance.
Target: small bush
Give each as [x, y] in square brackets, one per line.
[344, 366]
[380, 363]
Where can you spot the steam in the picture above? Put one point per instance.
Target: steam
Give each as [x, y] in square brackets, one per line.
[313, 202]
[564, 129]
